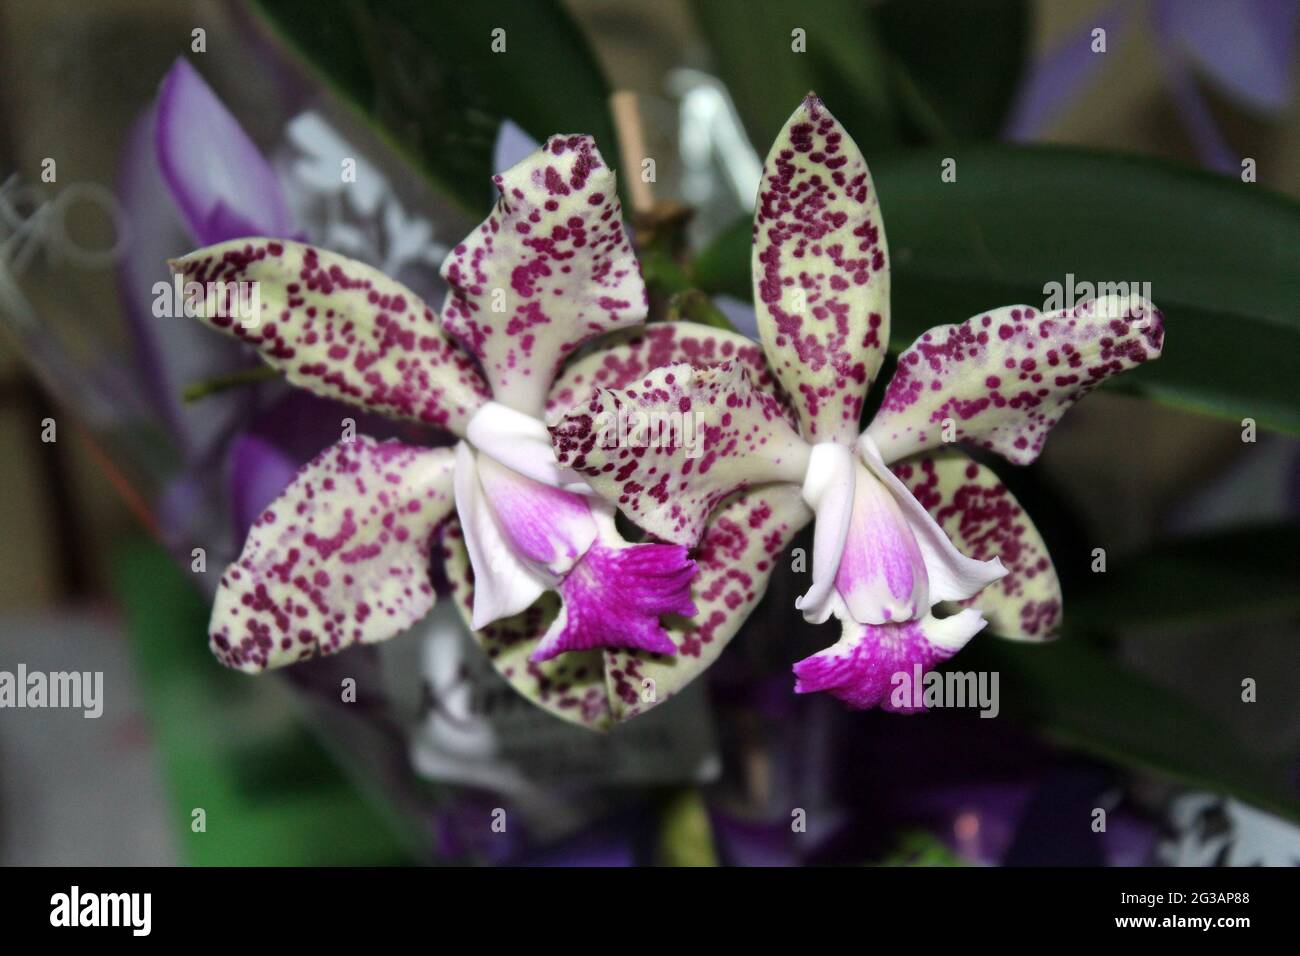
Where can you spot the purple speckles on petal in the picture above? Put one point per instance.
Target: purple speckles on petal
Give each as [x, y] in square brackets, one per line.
[342, 329]
[613, 598]
[550, 268]
[625, 357]
[669, 447]
[1004, 378]
[335, 561]
[821, 272]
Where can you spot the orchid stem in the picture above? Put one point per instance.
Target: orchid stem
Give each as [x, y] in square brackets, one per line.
[631, 147]
[222, 383]
[695, 306]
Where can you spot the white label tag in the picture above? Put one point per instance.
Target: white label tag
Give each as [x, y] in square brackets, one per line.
[474, 728]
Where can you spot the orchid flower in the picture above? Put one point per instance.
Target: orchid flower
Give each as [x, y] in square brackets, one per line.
[891, 504]
[341, 557]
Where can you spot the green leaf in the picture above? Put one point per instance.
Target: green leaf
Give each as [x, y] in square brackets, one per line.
[723, 265]
[753, 46]
[1235, 576]
[957, 66]
[692, 305]
[1075, 694]
[426, 76]
[1220, 257]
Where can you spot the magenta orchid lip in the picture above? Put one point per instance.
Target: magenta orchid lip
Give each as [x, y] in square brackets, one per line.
[597, 628]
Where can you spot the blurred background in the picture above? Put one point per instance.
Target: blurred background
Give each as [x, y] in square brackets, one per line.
[1146, 142]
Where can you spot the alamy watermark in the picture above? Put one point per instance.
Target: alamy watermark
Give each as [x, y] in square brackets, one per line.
[80, 690]
[1070, 294]
[208, 300]
[75, 908]
[634, 428]
[914, 690]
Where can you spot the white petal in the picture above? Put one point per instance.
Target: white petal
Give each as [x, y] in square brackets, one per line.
[520, 442]
[953, 576]
[503, 584]
[882, 574]
[828, 490]
[953, 632]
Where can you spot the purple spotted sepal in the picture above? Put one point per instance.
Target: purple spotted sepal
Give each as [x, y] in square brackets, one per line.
[1002, 379]
[550, 268]
[340, 558]
[821, 272]
[336, 327]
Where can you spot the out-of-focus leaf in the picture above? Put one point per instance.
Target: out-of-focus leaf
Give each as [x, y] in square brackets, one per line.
[1220, 257]
[416, 70]
[1078, 696]
[723, 265]
[957, 64]
[753, 43]
[1238, 575]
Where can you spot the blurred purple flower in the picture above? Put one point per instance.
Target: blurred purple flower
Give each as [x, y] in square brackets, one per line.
[189, 175]
[993, 794]
[1245, 48]
[220, 182]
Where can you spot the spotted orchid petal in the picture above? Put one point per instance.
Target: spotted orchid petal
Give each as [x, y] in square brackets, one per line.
[1005, 377]
[627, 356]
[975, 509]
[550, 268]
[860, 668]
[821, 272]
[340, 558]
[339, 328]
[668, 449]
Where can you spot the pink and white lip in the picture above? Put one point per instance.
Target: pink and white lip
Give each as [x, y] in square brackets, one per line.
[878, 556]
